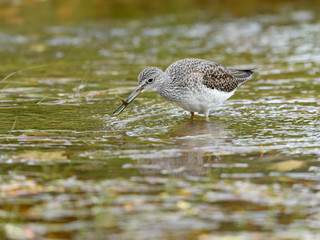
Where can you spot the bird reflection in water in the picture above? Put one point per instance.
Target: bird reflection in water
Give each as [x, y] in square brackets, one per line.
[198, 144]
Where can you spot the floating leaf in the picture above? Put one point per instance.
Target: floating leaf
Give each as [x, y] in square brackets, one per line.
[183, 205]
[38, 47]
[286, 165]
[38, 155]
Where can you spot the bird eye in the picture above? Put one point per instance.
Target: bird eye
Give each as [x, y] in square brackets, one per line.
[150, 80]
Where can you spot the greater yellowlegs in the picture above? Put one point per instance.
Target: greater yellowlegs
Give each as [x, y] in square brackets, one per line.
[196, 85]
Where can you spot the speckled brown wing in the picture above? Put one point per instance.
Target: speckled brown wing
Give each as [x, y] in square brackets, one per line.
[180, 70]
[215, 76]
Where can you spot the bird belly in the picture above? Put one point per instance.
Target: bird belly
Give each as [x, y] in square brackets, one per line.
[204, 101]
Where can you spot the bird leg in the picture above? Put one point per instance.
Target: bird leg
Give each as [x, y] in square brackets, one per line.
[205, 117]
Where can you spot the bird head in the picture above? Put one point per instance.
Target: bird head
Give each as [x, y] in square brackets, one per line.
[150, 79]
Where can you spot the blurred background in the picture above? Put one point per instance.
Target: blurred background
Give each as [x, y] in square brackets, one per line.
[19, 12]
[41, 28]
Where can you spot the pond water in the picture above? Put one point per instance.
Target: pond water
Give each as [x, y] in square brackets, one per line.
[70, 169]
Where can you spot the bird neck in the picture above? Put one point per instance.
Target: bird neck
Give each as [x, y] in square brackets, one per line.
[167, 89]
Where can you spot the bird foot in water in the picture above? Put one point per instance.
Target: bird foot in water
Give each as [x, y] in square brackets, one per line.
[193, 116]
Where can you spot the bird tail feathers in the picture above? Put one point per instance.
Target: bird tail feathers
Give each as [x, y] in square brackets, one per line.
[242, 75]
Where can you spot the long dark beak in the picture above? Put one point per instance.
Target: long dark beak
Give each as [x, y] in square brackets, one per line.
[128, 100]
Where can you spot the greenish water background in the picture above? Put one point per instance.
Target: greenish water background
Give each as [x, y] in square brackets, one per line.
[72, 170]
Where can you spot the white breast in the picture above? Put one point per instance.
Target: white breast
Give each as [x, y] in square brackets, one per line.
[203, 101]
